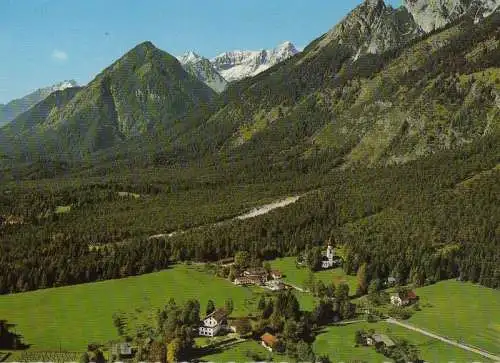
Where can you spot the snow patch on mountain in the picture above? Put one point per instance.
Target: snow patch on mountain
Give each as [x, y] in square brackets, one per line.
[16, 107]
[63, 85]
[235, 65]
[202, 69]
[239, 64]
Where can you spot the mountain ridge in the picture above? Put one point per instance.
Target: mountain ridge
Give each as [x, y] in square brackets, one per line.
[202, 68]
[368, 108]
[237, 65]
[365, 98]
[16, 107]
[143, 92]
[234, 65]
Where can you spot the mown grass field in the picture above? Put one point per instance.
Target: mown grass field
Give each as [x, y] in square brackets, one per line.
[461, 310]
[238, 353]
[71, 317]
[338, 343]
[297, 276]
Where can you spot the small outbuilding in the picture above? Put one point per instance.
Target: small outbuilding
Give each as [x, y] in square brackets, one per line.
[269, 341]
[382, 339]
[276, 274]
[404, 299]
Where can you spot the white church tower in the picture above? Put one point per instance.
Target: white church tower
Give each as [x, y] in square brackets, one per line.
[329, 253]
[328, 258]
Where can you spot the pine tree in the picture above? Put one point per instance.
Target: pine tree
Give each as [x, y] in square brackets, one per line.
[210, 307]
[229, 305]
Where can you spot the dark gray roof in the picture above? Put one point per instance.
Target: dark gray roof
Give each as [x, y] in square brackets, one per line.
[384, 339]
[218, 314]
[256, 271]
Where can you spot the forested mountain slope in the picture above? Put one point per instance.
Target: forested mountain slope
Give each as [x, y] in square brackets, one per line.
[431, 218]
[436, 92]
[142, 94]
[17, 134]
[16, 107]
[422, 111]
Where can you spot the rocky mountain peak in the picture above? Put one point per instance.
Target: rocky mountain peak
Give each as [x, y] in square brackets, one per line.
[434, 14]
[239, 64]
[378, 4]
[65, 84]
[201, 68]
[372, 27]
[189, 58]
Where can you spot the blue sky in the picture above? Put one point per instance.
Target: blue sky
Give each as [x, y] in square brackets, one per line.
[46, 41]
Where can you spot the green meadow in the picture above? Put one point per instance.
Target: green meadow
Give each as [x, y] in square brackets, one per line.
[338, 343]
[461, 311]
[71, 317]
[297, 275]
[238, 353]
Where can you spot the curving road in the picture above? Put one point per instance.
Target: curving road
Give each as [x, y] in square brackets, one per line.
[485, 354]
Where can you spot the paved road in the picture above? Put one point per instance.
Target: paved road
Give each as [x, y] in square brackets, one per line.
[296, 287]
[493, 357]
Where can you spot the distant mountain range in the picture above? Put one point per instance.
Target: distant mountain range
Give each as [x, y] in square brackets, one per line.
[204, 70]
[16, 107]
[383, 86]
[235, 65]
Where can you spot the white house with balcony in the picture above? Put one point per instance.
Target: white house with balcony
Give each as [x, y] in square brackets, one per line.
[213, 323]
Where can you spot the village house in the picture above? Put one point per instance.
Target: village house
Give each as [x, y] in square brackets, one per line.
[404, 299]
[275, 285]
[258, 271]
[380, 339]
[276, 274]
[391, 281]
[249, 280]
[253, 276]
[226, 261]
[269, 341]
[213, 323]
[122, 350]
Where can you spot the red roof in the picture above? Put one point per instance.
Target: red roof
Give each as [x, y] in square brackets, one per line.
[269, 339]
[411, 295]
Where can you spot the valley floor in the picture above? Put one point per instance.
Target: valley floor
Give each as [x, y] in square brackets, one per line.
[68, 318]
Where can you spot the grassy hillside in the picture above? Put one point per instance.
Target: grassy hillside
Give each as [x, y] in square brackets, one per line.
[297, 276]
[74, 316]
[238, 353]
[71, 317]
[338, 343]
[461, 311]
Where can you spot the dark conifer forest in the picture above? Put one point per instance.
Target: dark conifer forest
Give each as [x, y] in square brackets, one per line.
[395, 156]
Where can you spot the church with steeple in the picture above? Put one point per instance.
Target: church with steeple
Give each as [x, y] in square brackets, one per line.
[328, 258]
